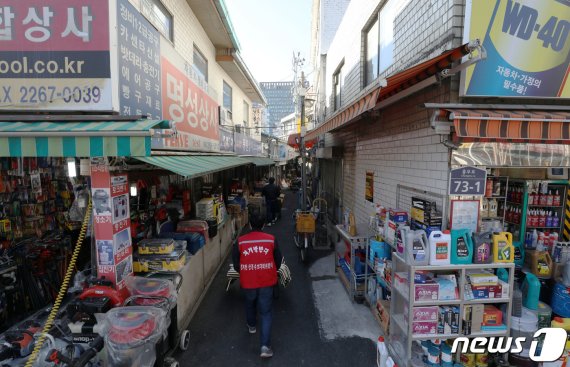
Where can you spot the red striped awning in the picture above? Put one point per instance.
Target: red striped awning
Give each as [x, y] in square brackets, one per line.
[511, 125]
[394, 84]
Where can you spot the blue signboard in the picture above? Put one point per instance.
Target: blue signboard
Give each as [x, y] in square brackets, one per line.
[226, 140]
[139, 64]
[467, 181]
[244, 145]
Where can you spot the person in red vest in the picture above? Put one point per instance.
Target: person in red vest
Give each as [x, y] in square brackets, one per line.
[256, 256]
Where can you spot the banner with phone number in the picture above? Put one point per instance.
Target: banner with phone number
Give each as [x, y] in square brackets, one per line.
[528, 48]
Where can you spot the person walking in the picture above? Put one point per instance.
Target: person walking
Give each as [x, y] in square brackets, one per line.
[271, 191]
[256, 256]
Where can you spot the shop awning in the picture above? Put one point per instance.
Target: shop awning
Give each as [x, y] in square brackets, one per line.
[294, 141]
[394, 84]
[511, 125]
[260, 161]
[193, 166]
[77, 139]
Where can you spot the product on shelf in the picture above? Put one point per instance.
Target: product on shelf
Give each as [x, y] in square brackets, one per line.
[482, 243]
[503, 250]
[416, 247]
[440, 248]
[461, 246]
[531, 291]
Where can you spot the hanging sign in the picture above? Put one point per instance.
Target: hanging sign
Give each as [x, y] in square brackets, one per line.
[467, 181]
[527, 44]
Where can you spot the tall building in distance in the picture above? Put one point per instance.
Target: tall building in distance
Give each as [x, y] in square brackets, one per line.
[280, 103]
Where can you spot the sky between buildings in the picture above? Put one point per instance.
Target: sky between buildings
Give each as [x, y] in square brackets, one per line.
[269, 31]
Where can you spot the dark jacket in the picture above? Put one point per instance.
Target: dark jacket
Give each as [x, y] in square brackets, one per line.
[271, 192]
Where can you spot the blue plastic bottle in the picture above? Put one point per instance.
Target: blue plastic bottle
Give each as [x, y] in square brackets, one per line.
[461, 246]
[531, 291]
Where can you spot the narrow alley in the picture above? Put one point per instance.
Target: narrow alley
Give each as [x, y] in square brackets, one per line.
[314, 322]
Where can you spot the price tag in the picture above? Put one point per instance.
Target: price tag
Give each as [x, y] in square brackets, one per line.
[467, 181]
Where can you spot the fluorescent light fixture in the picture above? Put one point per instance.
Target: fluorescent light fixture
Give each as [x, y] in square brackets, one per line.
[134, 191]
[71, 168]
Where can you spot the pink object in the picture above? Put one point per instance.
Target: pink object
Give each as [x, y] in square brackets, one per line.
[426, 292]
[425, 313]
[424, 327]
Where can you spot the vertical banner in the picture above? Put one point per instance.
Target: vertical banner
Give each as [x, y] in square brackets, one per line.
[369, 187]
[140, 91]
[55, 55]
[527, 44]
[111, 220]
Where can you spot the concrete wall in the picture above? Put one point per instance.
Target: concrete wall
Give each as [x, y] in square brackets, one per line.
[189, 32]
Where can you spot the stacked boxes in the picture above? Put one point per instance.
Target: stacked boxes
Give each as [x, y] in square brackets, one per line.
[205, 208]
[159, 255]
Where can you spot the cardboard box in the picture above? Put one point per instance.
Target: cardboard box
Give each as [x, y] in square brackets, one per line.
[426, 292]
[424, 327]
[398, 215]
[425, 211]
[492, 316]
[490, 291]
[483, 279]
[425, 313]
[383, 310]
[477, 312]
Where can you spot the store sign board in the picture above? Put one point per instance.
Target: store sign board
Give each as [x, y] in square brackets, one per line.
[245, 145]
[140, 89]
[514, 33]
[467, 181]
[54, 55]
[112, 223]
[226, 140]
[193, 113]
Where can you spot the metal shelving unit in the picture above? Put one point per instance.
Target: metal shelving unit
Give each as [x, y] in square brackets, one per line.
[401, 324]
[354, 283]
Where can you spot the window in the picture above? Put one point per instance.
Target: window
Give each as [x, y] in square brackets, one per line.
[159, 16]
[200, 63]
[245, 113]
[228, 98]
[379, 39]
[337, 85]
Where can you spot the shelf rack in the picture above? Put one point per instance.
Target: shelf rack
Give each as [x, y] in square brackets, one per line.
[401, 337]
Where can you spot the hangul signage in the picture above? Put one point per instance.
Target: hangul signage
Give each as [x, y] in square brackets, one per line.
[54, 54]
[112, 223]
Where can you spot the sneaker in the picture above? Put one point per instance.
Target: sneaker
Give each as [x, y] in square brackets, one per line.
[251, 329]
[266, 352]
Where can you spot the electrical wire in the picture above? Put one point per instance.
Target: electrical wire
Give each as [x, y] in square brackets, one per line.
[63, 290]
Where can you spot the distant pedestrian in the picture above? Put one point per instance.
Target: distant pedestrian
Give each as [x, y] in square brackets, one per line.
[271, 191]
[256, 256]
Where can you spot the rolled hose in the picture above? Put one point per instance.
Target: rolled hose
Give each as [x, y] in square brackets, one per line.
[63, 290]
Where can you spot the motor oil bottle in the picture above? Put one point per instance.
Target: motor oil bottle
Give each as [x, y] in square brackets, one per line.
[482, 243]
[503, 250]
[440, 248]
[461, 246]
[519, 253]
[417, 248]
[531, 291]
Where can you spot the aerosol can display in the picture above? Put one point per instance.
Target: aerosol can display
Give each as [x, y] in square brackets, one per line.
[417, 248]
[503, 250]
[461, 246]
[440, 248]
[483, 243]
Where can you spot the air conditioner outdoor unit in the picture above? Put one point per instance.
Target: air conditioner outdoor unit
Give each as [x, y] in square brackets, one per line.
[225, 116]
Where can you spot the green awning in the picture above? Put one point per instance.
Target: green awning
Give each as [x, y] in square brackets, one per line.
[193, 166]
[77, 139]
[260, 161]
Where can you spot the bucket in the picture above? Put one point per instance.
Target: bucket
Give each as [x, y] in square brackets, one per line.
[560, 300]
[520, 360]
[524, 326]
[544, 315]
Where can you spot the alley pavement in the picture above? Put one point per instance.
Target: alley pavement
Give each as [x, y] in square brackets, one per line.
[314, 321]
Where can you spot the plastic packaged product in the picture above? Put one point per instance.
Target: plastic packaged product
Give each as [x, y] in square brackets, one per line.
[503, 251]
[482, 244]
[531, 291]
[519, 253]
[433, 356]
[417, 247]
[461, 246]
[440, 248]
[382, 352]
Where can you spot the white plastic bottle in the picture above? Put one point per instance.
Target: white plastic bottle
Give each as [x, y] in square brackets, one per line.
[390, 363]
[382, 355]
[440, 248]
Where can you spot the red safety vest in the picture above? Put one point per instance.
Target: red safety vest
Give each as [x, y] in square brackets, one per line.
[257, 266]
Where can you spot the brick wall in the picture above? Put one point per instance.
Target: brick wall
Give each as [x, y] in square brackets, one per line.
[399, 146]
[187, 32]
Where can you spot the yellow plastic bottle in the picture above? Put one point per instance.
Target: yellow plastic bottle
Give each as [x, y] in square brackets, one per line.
[503, 249]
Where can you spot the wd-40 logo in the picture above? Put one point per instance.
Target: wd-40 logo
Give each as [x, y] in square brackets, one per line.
[552, 347]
